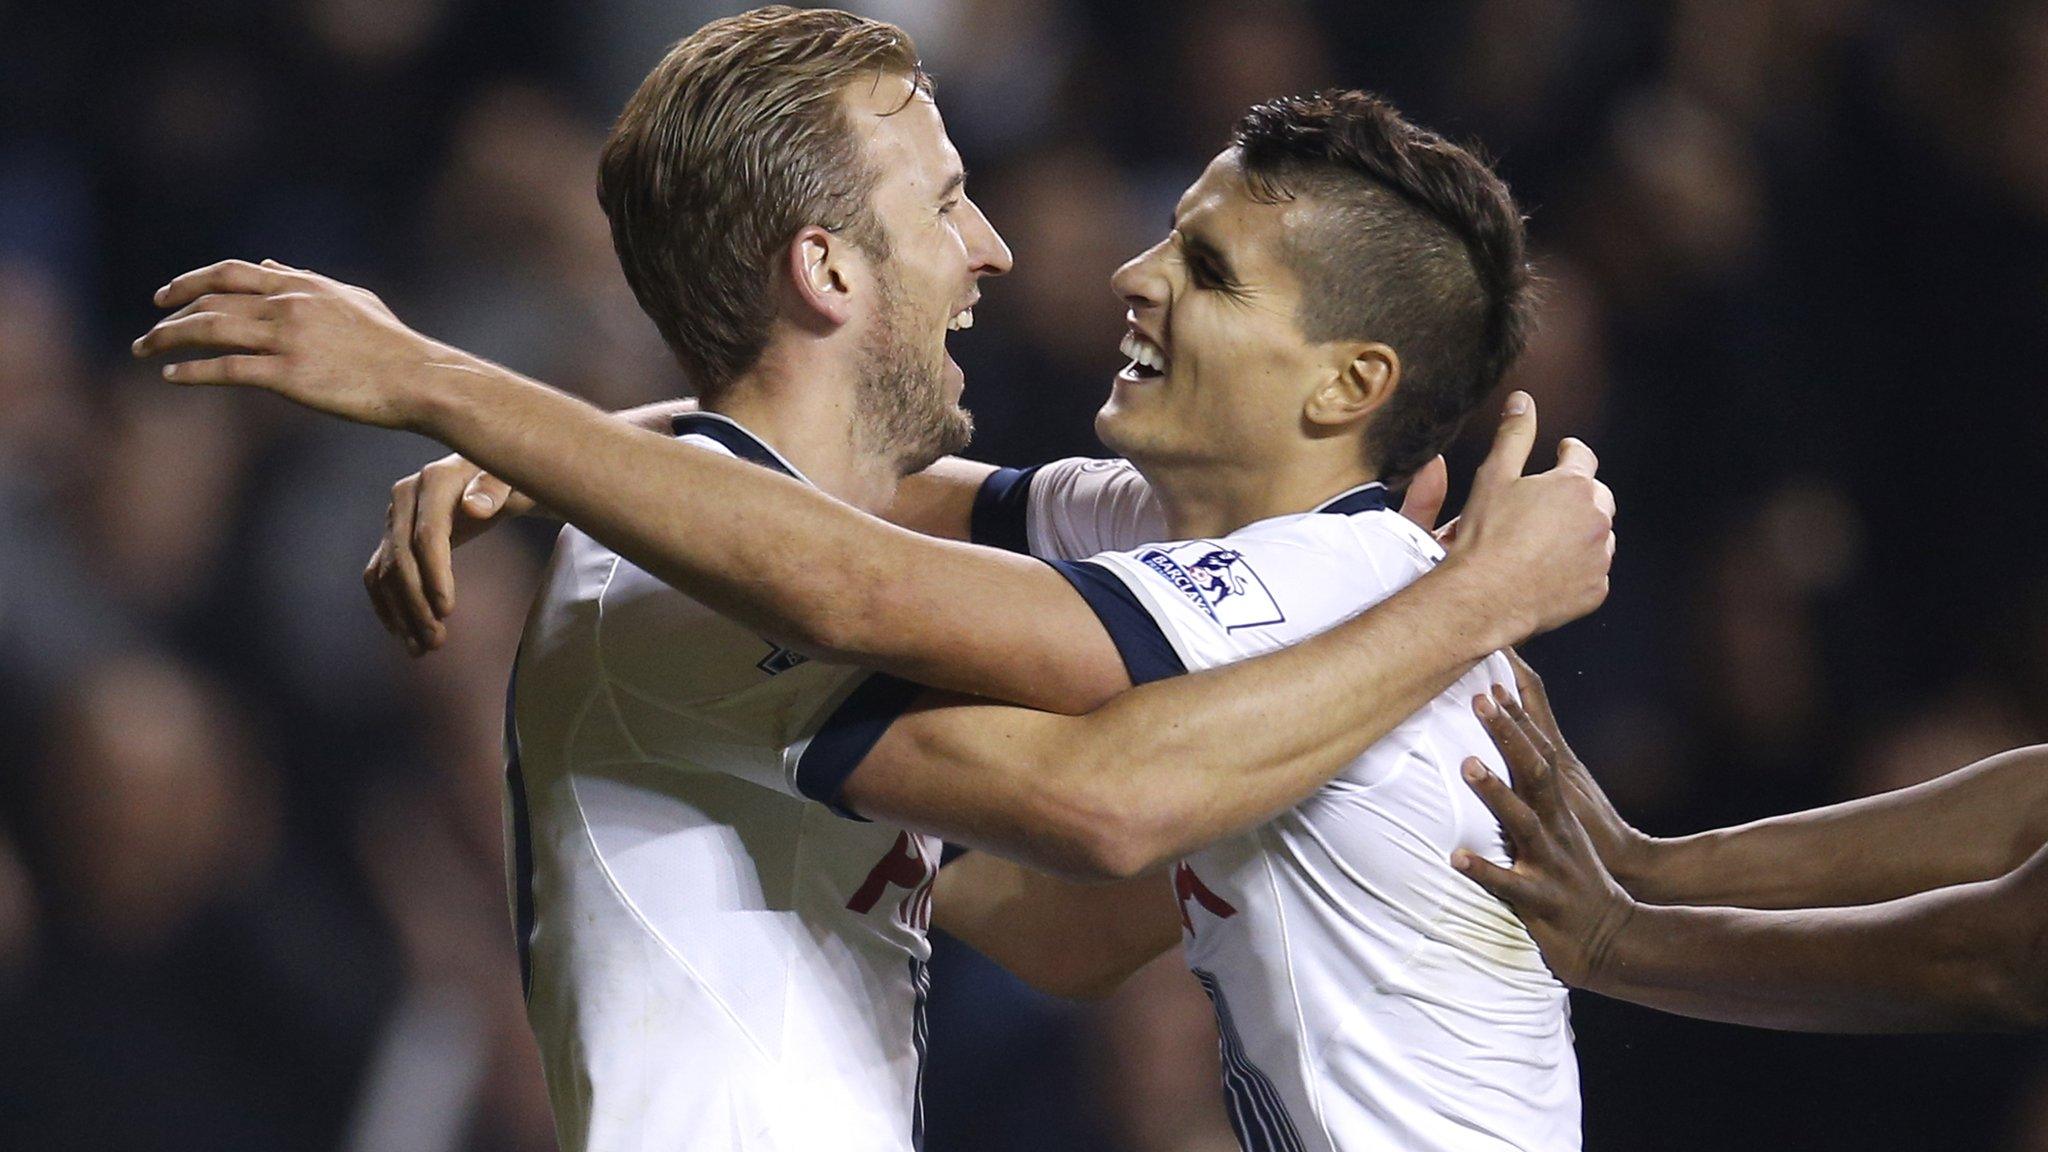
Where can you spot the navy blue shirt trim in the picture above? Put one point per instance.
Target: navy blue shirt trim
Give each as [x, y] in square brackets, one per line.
[848, 735]
[1002, 507]
[1147, 654]
[523, 917]
[735, 439]
[1364, 498]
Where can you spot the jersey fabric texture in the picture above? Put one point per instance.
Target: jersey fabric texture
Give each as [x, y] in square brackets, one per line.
[715, 959]
[1367, 996]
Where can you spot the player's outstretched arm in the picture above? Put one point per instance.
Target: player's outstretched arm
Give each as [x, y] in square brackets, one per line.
[1972, 824]
[1179, 763]
[1972, 956]
[410, 577]
[1167, 762]
[775, 554]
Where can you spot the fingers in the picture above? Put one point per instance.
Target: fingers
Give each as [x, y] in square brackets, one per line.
[1516, 818]
[1531, 732]
[1511, 888]
[206, 331]
[1526, 764]
[439, 491]
[421, 627]
[485, 496]
[1573, 455]
[373, 585]
[1534, 695]
[238, 276]
[1424, 501]
[228, 371]
[1510, 452]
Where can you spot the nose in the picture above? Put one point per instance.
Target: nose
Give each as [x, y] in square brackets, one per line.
[1141, 282]
[985, 247]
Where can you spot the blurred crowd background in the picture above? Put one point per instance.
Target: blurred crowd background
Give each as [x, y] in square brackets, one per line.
[250, 883]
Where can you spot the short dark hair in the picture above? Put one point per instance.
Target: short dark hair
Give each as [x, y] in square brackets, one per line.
[1419, 246]
[736, 141]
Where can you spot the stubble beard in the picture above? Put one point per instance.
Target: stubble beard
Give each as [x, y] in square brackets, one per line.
[900, 405]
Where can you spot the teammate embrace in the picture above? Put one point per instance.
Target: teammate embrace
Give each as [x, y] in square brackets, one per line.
[1215, 692]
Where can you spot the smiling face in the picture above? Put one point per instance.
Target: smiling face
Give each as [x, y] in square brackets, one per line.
[935, 245]
[1221, 373]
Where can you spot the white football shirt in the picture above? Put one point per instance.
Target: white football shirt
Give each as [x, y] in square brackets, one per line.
[1367, 996]
[713, 960]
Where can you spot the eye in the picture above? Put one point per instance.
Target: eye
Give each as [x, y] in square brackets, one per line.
[946, 209]
[1204, 274]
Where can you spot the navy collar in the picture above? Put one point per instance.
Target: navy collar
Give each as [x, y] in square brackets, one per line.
[735, 439]
[1364, 498]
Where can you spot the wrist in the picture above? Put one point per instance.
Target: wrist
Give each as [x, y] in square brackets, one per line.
[444, 391]
[1492, 603]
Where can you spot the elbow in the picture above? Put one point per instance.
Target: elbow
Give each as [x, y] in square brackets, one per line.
[1107, 842]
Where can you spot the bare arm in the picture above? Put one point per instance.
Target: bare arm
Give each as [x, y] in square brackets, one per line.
[1971, 824]
[856, 589]
[938, 501]
[1170, 766]
[1971, 956]
[1079, 941]
[1967, 957]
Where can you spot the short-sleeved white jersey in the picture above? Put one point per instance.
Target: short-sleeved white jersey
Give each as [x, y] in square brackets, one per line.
[1368, 997]
[713, 961]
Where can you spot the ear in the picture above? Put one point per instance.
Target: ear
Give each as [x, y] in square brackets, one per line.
[821, 274]
[1359, 387]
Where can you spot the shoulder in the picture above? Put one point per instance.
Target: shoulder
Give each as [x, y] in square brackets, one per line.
[1294, 574]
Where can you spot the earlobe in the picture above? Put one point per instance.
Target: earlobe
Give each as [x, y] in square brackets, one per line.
[1358, 388]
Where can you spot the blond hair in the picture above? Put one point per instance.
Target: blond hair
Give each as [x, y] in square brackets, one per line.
[736, 141]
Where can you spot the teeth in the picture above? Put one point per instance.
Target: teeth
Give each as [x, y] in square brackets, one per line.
[964, 319]
[1143, 351]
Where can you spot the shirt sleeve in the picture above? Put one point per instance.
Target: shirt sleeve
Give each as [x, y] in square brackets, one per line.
[1068, 509]
[819, 765]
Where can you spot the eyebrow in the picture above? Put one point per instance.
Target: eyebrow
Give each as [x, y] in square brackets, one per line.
[953, 184]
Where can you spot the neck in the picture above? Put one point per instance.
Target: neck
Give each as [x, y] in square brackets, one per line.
[804, 408]
[1206, 499]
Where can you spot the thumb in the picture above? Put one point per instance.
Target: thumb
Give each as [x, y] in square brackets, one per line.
[1425, 499]
[1510, 452]
[485, 496]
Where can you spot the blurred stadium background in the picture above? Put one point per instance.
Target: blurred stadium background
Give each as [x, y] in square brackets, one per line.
[250, 890]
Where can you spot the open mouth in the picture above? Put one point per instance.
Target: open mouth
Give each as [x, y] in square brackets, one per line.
[1148, 360]
[964, 318]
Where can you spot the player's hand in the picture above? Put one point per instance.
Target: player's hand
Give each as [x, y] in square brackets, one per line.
[1547, 540]
[1567, 899]
[411, 575]
[1624, 850]
[328, 345]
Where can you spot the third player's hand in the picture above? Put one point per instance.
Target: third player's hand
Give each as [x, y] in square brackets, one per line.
[1570, 903]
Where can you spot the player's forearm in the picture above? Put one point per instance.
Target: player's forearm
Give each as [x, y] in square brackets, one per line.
[1072, 940]
[715, 527]
[1972, 824]
[1180, 763]
[1966, 957]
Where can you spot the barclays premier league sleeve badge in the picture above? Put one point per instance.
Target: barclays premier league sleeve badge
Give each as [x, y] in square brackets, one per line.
[1216, 580]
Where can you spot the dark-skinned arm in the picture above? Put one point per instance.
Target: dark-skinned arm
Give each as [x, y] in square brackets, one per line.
[1967, 957]
[1975, 823]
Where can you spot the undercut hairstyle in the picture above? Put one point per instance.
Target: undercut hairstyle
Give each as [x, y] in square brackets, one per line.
[1414, 242]
[736, 141]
